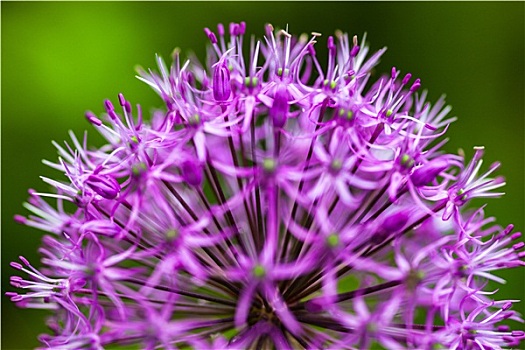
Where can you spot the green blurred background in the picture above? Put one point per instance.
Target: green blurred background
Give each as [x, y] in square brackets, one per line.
[60, 59]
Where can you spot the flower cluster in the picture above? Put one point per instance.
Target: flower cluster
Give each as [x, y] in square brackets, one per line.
[273, 203]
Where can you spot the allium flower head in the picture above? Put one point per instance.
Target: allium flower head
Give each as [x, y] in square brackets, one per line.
[275, 202]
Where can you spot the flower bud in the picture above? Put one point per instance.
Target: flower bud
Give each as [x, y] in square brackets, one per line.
[331, 45]
[279, 109]
[354, 51]
[416, 85]
[20, 219]
[242, 28]
[220, 29]
[109, 106]
[234, 29]
[428, 172]
[210, 35]
[221, 82]
[104, 185]
[16, 265]
[390, 225]
[406, 79]
[92, 118]
[395, 222]
[192, 172]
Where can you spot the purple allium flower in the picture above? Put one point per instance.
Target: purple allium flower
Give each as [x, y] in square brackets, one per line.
[273, 203]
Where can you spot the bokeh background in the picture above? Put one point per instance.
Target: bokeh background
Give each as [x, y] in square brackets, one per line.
[60, 59]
